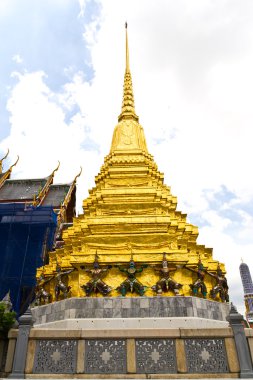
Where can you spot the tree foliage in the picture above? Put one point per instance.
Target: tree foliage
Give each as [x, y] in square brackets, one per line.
[7, 318]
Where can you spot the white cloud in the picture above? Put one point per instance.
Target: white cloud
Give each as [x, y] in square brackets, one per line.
[82, 4]
[17, 58]
[90, 33]
[39, 133]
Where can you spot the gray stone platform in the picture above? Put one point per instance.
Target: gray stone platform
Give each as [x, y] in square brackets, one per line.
[132, 347]
[134, 307]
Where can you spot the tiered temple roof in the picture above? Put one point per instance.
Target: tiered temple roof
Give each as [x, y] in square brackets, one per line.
[39, 192]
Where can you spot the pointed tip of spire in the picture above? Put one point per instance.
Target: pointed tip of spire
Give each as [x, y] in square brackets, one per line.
[128, 110]
[127, 52]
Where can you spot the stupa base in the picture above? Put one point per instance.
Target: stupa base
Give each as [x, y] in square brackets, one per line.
[142, 337]
[143, 310]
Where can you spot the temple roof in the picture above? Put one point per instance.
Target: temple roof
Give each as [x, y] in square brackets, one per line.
[40, 192]
[26, 190]
[56, 195]
[21, 189]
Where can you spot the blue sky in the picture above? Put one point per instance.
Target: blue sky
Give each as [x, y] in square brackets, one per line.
[42, 35]
[61, 76]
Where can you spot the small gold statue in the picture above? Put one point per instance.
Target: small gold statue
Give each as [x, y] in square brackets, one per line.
[221, 286]
[95, 284]
[166, 283]
[41, 295]
[60, 287]
[199, 285]
[131, 283]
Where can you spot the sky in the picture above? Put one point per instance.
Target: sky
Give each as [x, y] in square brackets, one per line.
[61, 78]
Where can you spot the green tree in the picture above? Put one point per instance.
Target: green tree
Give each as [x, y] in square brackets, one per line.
[7, 318]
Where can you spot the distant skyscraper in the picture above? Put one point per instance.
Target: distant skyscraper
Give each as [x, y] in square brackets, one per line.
[248, 290]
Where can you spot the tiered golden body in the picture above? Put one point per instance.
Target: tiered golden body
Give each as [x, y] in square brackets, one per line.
[130, 212]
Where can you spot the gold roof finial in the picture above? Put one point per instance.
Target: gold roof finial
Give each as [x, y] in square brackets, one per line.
[62, 213]
[55, 170]
[1, 161]
[43, 192]
[15, 163]
[128, 110]
[7, 174]
[78, 175]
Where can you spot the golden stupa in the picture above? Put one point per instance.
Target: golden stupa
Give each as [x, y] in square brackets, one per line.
[131, 215]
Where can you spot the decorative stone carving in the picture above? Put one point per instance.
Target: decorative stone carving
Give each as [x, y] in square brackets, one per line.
[131, 284]
[96, 284]
[206, 356]
[221, 286]
[60, 286]
[155, 356]
[166, 283]
[105, 356]
[41, 295]
[55, 356]
[198, 287]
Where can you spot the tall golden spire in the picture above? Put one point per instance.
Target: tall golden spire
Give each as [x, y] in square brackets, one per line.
[128, 110]
[128, 133]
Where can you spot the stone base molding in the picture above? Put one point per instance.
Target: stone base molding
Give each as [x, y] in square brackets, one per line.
[169, 353]
[131, 352]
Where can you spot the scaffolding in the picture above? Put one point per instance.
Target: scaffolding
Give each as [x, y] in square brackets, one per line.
[26, 235]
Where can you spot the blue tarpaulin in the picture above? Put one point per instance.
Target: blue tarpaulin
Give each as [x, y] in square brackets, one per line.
[26, 233]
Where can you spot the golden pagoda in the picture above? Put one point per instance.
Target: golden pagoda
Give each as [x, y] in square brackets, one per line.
[130, 216]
